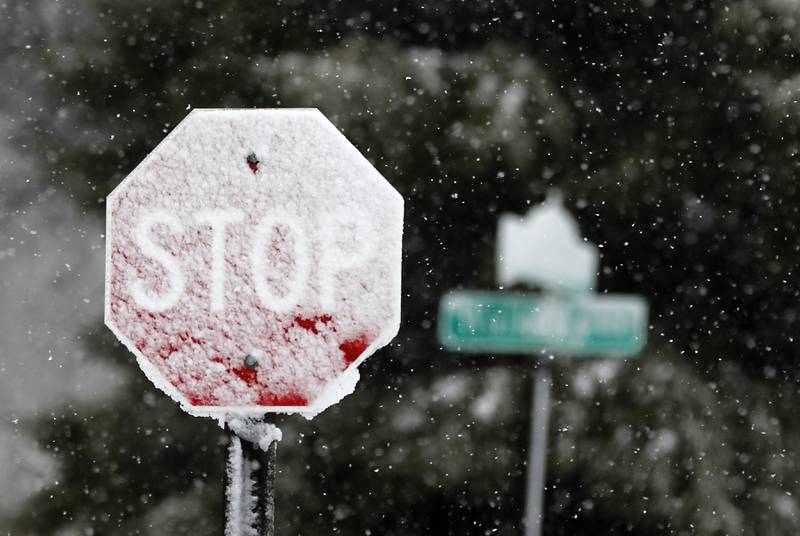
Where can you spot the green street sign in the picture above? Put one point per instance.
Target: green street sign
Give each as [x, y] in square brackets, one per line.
[505, 322]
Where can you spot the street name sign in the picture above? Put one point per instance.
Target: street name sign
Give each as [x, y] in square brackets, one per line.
[494, 322]
[253, 262]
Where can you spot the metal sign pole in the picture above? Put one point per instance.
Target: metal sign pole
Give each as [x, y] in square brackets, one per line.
[262, 467]
[537, 451]
[250, 488]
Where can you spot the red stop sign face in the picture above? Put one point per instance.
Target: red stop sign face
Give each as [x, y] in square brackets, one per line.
[253, 261]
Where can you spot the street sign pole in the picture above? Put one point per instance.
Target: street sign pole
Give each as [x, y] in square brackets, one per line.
[268, 487]
[537, 451]
[250, 488]
[262, 464]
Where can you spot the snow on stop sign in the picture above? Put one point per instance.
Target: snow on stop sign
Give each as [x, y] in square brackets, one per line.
[253, 261]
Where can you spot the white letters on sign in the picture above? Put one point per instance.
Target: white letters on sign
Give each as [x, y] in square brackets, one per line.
[218, 219]
[334, 260]
[297, 248]
[300, 254]
[171, 266]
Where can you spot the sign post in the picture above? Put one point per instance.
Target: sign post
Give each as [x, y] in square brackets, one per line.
[544, 250]
[250, 478]
[252, 263]
[537, 451]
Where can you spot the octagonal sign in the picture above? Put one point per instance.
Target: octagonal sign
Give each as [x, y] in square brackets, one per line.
[253, 261]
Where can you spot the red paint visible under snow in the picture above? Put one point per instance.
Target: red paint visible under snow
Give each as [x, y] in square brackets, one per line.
[310, 324]
[167, 350]
[291, 399]
[353, 348]
[248, 375]
[202, 401]
[265, 399]
[252, 161]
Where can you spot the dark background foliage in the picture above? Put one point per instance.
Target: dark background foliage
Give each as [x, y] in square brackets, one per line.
[671, 128]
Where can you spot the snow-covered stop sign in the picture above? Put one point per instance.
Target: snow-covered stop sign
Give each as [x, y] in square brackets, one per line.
[253, 261]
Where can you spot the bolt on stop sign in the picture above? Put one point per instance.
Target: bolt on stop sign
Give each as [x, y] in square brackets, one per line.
[253, 261]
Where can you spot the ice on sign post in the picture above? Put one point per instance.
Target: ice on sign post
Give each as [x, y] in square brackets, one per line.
[253, 262]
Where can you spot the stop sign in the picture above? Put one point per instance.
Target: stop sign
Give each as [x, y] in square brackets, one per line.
[253, 261]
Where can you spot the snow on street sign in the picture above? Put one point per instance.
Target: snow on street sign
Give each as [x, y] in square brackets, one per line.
[604, 325]
[253, 261]
[544, 248]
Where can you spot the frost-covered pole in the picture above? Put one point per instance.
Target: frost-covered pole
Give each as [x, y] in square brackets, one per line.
[537, 451]
[269, 488]
[262, 467]
[250, 478]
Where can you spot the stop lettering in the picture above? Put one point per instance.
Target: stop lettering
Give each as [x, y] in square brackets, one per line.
[253, 261]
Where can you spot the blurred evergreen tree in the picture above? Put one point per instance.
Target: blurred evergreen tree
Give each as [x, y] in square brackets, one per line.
[671, 128]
